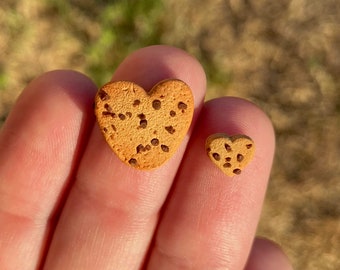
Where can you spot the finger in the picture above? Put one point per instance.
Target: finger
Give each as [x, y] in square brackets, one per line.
[266, 255]
[39, 147]
[210, 220]
[112, 210]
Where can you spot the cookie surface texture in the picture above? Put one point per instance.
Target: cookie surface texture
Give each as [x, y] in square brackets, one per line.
[230, 153]
[144, 128]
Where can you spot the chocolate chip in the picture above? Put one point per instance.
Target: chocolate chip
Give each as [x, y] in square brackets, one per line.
[143, 123]
[155, 142]
[182, 105]
[170, 129]
[240, 157]
[227, 165]
[121, 116]
[141, 116]
[136, 103]
[165, 148]
[249, 146]
[216, 156]
[147, 147]
[172, 113]
[133, 162]
[140, 148]
[103, 95]
[156, 104]
[227, 147]
[108, 107]
[106, 113]
[237, 171]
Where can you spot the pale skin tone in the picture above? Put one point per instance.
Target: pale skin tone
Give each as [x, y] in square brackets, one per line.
[67, 202]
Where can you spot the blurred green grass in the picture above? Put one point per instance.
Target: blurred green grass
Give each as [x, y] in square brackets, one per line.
[282, 55]
[124, 26]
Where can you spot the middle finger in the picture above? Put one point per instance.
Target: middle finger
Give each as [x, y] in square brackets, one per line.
[112, 210]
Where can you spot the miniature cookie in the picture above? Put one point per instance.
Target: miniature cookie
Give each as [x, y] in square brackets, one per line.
[144, 128]
[230, 153]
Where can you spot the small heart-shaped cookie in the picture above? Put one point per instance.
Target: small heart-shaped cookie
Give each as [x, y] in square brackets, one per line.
[144, 128]
[230, 153]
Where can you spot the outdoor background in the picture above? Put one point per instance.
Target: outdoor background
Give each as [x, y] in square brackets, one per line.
[283, 55]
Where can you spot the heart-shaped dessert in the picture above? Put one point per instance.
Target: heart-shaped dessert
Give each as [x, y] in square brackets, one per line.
[144, 128]
[230, 153]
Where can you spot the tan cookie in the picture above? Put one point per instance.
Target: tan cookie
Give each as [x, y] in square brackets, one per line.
[230, 153]
[144, 128]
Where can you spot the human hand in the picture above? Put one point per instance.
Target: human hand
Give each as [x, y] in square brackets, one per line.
[67, 202]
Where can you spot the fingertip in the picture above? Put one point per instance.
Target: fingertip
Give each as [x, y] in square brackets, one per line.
[239, 115]
[149, 65]
[52, 91]
[267, 255]
[233, 116]
[74, 82]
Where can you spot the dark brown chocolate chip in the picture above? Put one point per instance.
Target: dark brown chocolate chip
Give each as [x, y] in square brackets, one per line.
[237, 171]
[108, 107]
[170, 129]
[113, 127]
[182, 105]
[156, 104]
[228, 159]
[105, 129]
[143, 123]
[129, 114]
[227, 147]
[165, 148]
[106, 113]
[249, 146]
[103, 95]
[141, 116]
[172, 113]
[155, 142]
[121, 116]
[227, 165]
[140, 148]
[133, 162]
[136, 103]
[240, 157]
[147, 147]
[216, 156]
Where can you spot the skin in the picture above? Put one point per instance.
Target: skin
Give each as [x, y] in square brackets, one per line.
[67, 202]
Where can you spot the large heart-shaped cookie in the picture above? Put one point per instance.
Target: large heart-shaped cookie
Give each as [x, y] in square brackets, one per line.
[230, 153]
[144, 128]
